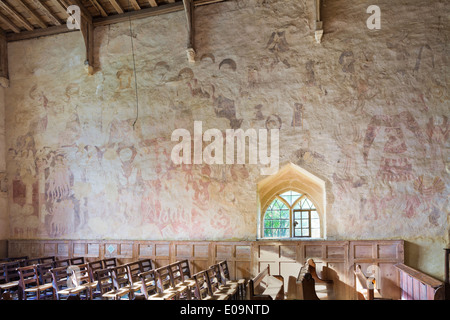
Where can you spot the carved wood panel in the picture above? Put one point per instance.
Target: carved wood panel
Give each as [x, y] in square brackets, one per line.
[335, 260]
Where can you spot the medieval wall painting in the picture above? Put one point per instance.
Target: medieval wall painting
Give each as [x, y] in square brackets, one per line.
[369, 119]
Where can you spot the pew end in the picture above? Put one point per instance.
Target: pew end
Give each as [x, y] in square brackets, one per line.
[266, 286]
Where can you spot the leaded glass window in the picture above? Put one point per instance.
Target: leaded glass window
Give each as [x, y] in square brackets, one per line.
[291, 214]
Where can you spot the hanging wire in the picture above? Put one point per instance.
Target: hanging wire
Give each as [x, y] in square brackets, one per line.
[134, 68]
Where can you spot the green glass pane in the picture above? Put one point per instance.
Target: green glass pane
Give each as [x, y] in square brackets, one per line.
[268, 223]
[284, 233]
[275, 214]
[284, 214]
[285, 224]
[275, 204]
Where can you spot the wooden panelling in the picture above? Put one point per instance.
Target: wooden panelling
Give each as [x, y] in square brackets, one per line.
[335, 260]
[415, 285]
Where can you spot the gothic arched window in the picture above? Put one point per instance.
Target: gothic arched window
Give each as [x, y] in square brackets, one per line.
[291, 214]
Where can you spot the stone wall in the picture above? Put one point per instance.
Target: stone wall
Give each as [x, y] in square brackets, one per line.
[366, 111]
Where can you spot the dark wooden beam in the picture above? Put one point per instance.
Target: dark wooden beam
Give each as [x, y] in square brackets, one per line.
[189, 10]
[99, 8]
[116, 6]
[148, 12]
[37, 33]
[17, 16]
[318, 24]
[152, 3]
[135, 5]
[87, 31]
[4, 77]
[60, 7]
[125, 17]
[36, 19]
[9, 23]
[46, 11]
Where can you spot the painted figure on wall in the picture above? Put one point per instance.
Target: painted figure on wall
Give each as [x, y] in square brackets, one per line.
[394, 165]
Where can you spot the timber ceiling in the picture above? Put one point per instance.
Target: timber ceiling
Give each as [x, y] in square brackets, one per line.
[23, 19]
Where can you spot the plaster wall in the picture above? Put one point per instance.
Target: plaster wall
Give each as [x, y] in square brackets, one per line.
[366, 111]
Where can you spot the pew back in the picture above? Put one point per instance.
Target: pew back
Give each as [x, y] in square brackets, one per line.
[416, 285]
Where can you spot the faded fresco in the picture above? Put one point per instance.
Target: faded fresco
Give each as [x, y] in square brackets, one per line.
[366, 110]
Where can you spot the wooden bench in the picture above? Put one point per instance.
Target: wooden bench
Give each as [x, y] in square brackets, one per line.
[447, 273]
[365, 286]
[308, 285]
[416, 285]
[266, 286]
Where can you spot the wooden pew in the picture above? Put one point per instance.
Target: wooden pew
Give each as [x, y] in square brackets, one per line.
[265, 286]
[365, 286]
[447, 273]
[324, 287]
[416, 285]
[308, 285]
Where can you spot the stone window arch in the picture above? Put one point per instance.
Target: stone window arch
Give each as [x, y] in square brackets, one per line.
[292, 204]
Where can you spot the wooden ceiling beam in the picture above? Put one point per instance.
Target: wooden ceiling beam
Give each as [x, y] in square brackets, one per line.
[60, 7]
[152, 3]
[32, 14]
[17, 16]
[116, 6]
[148, 12]
[135, 5]
[67, 3]
[37, 33]
[318, 24]
[189, 10]
[111, 19]
[87, 31]
[9, 23]
[99, 8]
[46, 11]
[4, 77]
